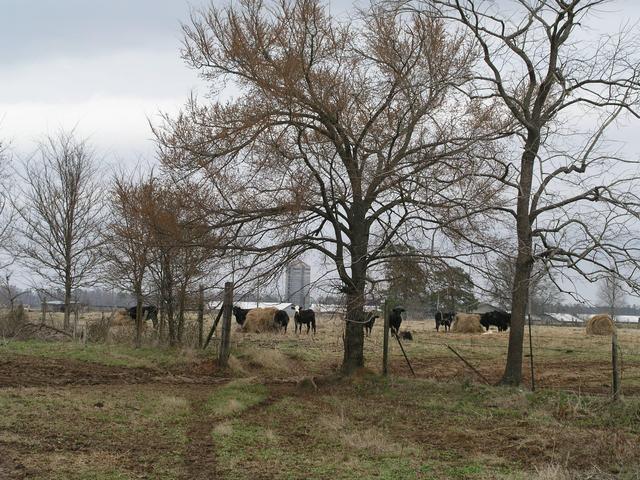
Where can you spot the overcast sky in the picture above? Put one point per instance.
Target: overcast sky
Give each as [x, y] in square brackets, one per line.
[103, 66]
[106, 67]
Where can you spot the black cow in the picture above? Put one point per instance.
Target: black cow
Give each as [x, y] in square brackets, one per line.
[149, 312]
[395, 319]
[502, 320]
[445, 319]
[240, 314]
[281, 318]
[308, 317]
[406, 335]
[368, 324]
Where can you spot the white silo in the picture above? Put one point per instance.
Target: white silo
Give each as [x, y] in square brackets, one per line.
[299, 283]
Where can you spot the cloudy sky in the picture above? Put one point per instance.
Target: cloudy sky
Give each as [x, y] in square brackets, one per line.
[106, 67]
[103, 66]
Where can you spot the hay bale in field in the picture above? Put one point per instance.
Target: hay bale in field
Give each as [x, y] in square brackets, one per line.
[121, 318]
[260, 320]
[600, 325]
[467, 323]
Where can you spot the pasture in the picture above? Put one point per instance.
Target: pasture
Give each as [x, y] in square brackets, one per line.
[108, 411]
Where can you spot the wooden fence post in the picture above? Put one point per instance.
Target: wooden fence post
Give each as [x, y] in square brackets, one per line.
[385, 342]
[213, 327]
[225, 334]
[616, 366]
[201, 316]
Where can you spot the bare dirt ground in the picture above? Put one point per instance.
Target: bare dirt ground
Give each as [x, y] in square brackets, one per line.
[29, 371]
[110, 412]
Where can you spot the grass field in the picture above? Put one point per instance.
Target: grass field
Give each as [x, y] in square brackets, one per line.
[108, 411]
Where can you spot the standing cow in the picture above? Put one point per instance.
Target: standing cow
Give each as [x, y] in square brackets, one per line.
[281, 318]
[240, 314]
[445, 319]
[502, 320]
[149, 312]
[308, 317]
[395, 319]
[368, 324]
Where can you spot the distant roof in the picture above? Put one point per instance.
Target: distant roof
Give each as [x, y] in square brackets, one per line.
[484, 307]
[279, 306]
[298, 262]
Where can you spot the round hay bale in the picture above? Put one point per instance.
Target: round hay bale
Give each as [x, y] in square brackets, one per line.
[121, 318]
[600, 325]
[467, 323]
[260, 320]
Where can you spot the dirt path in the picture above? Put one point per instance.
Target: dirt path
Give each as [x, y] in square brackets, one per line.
[199, 457]
[28, 371]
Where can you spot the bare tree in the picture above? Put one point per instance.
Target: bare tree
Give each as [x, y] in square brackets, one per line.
[126, 247]
[571, 198]
[61, 215]
[542, 290]
[182, 247]
[611, 292]
[7, 213]
[342, 138]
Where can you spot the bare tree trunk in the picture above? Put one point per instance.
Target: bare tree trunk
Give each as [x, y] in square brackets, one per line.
[67, 306]
[138, 319]
[200, 316]
[524, 265]
[162, 319]
[181, 306]
[354, 333]
[225, 334]
[354, 328]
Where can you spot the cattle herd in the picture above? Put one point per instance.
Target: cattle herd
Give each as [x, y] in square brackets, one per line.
[271, 319]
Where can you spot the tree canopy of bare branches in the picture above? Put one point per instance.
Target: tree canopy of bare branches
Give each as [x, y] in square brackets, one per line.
[7, 213]
[181, 247]
[572, 204]
[60, 215]
[341, 138]
[127, 239]
[611, 292]
[542, 290]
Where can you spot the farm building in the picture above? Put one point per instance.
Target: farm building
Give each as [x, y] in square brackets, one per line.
[280, 306]
[485, 308]
[58, 305]
[299, 283]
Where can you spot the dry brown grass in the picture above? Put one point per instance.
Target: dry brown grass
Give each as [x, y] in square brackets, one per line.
[551, 471]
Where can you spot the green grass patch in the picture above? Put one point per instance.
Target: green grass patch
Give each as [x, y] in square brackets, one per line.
[235, 397]
[105, 354]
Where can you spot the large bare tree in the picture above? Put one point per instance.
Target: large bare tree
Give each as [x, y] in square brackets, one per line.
[338, 137]
[564, 89]
[60, 209]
